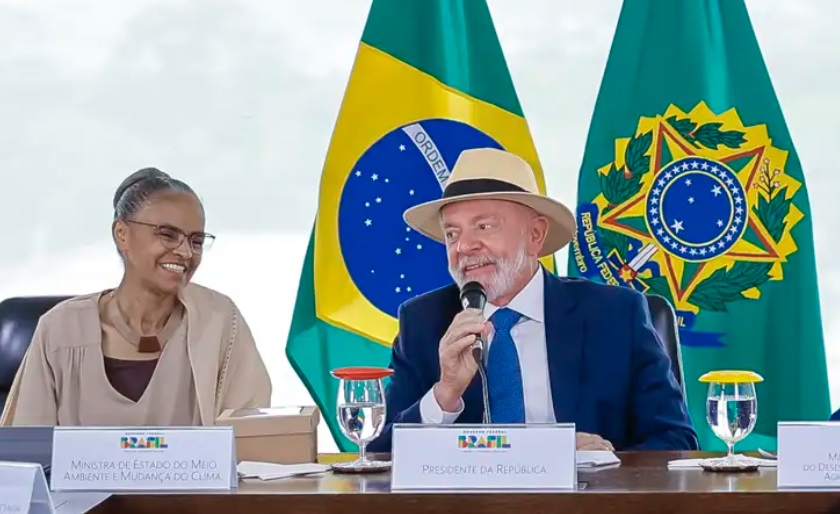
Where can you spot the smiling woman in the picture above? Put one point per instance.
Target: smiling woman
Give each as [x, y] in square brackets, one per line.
[157, 350]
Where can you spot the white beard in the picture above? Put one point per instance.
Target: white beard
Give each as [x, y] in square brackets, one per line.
[503, 278]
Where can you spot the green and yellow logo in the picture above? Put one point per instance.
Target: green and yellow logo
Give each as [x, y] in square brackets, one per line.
[695, 207]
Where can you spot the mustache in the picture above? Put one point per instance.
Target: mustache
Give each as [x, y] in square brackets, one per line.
[465, 262]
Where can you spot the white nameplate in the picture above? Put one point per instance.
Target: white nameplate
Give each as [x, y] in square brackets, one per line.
[514, 457]
[809, 455]
[129, 459]
[23, 489]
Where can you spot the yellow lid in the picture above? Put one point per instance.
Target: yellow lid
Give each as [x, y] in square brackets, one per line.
[732, 377]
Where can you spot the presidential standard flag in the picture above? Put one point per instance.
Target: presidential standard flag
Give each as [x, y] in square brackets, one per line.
[429, 81]
[691, 189]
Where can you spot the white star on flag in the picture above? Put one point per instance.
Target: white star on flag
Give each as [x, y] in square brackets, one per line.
[677, 226]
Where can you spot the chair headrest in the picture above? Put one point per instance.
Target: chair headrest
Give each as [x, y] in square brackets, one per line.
[18, 319]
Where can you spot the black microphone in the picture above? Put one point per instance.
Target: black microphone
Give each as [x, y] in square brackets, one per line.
[473, 296]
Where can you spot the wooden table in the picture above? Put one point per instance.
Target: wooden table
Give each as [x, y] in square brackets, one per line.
[641, 484]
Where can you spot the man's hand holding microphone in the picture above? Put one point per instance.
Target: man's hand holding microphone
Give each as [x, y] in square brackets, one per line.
[457, 363]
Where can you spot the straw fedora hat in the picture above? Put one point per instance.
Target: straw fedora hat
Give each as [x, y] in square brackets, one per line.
[491, 174]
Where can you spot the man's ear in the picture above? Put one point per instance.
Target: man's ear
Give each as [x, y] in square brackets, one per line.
[537, 233]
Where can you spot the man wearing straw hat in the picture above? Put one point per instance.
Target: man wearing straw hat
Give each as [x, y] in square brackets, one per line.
[560, 349]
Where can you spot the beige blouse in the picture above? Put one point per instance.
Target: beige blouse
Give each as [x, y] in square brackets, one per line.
[209, 363]
[130, 370]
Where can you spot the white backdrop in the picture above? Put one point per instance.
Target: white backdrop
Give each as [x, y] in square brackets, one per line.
[239, 99]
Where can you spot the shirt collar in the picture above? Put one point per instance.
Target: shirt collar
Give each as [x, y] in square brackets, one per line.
[529, 301]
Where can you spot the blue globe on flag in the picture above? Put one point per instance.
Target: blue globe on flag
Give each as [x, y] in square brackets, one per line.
[696, 210]
[387, 260]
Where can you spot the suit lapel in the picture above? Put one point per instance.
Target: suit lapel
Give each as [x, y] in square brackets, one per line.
[564, 346]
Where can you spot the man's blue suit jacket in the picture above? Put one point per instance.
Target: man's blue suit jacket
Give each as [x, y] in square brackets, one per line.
[608, 369]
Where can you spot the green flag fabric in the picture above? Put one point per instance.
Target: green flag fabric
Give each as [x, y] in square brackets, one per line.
[690, 188]
[429, 81]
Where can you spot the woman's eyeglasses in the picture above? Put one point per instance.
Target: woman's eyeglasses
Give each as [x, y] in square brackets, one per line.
[173, 237]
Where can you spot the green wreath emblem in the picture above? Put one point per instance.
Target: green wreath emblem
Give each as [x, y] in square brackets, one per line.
[724, 285]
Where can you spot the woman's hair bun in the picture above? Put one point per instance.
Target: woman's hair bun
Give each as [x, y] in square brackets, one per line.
[137, 177]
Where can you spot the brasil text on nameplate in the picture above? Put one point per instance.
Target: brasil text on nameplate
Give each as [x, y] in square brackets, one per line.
[127, 459]
[809, 455]
[502, 457]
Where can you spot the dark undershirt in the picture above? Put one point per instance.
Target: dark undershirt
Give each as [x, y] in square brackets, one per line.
[130, 377]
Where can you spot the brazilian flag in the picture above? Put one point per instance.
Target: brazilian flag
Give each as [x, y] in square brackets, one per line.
[429, 81]
[691, 189]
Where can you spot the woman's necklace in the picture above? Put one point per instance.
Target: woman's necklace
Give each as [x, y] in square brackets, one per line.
[145, 344]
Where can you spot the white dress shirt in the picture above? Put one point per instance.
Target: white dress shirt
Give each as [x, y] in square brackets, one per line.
[529, 337]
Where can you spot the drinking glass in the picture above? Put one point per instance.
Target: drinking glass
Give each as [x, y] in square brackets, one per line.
[731, 406]
[361, 412]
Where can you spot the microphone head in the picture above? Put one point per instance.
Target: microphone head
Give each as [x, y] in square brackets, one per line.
[473, 295]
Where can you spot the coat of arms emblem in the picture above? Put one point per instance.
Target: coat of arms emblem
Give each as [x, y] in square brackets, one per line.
[695, 207]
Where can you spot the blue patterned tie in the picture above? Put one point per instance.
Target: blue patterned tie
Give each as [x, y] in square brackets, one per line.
[504, 376]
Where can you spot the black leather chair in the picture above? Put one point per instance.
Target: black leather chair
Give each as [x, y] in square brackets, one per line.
[18, 319]
[665, 322]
